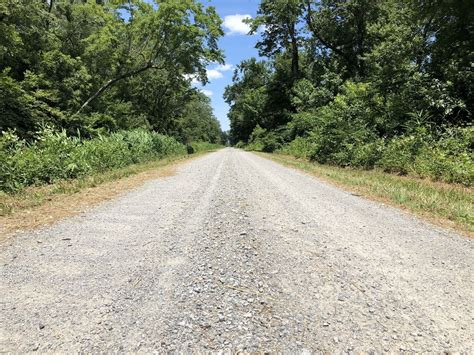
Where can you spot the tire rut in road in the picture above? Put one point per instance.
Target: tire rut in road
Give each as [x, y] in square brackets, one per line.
[226, 302]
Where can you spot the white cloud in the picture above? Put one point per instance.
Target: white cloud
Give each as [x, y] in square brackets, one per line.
[208, 93]
[235, 25]
[214, 74]
[224, 67]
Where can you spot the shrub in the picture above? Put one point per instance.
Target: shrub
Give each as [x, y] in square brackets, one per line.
[342, 126]
[400, 153]
[264, 141]
[239, 145]
[54, 155]
[256, 139]
[447, 156]
[368, 154]
[204, 146]
[348, 132]
[299, 147]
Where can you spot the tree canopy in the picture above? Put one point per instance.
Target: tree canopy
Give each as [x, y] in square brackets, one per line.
[99, 66]
[351, 81]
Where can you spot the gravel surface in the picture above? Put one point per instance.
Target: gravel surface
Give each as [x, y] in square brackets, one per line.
[237, 253]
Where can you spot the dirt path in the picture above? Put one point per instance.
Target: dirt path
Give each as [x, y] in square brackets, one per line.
[236, 252]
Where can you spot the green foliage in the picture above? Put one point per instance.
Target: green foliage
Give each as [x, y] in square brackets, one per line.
[447, 156]
[346, 123]
[248, 98]
[96, 67]
[54, 155]
[198, 147]
[256, 139]
[263, 140]
[104, 85]
[239, 145]
[299, 147]
[280, 20]
[360, 83]
[198, 122]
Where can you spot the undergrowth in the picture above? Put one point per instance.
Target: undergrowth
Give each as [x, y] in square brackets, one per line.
[55, 156]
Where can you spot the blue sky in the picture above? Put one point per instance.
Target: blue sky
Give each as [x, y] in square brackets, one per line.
[237, 46]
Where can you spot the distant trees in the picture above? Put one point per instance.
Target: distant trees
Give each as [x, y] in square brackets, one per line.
[247, 97]
[98, 66]
[192, 127]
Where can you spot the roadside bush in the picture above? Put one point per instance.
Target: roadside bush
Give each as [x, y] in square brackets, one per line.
[204, 146]
[342, 127]
[264, 141]
[299, 147]
[239, 145]
[256, 139]
[400, 153]
[448, 156]
[348, 132]
[367, 155]
[54, 155]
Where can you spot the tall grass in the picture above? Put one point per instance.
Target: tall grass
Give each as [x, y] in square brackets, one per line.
[55, 156]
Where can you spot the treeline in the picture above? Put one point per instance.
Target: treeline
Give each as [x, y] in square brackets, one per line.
[91, 68]
[362, 83]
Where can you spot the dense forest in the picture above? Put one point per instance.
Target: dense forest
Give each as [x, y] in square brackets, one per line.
[90, 85]
[100, 66]
[361, 83]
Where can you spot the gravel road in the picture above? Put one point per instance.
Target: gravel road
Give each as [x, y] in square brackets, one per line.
[238, 253]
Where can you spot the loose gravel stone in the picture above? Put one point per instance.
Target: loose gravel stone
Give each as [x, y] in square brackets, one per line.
[236, 253]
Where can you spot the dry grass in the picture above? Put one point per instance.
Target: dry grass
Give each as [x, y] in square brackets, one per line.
[447, 205]
[43, 205]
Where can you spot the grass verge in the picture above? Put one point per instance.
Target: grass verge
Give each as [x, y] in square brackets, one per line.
[37, 206]
[446, 205]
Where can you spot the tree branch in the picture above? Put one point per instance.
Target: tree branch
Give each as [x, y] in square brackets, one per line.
[111, 82]
[309, 21]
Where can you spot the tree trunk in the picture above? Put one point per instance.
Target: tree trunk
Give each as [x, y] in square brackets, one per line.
[295, 65]
[360, 40]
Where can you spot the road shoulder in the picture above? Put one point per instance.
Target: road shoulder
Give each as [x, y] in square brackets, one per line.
[40, 206]
[446, 205]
